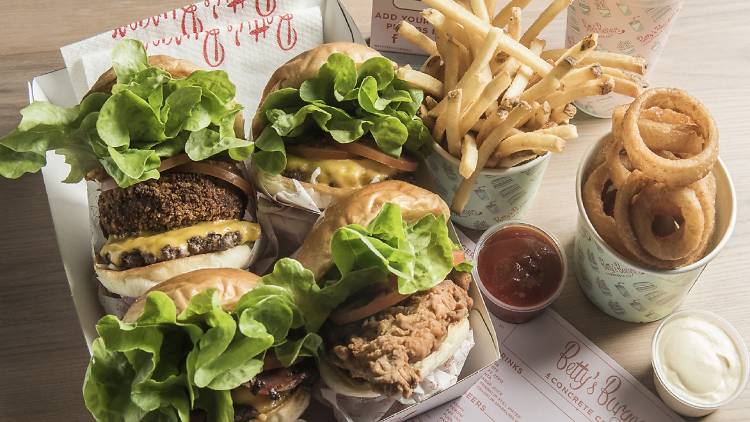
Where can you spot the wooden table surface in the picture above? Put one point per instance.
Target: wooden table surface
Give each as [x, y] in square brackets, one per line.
[42, 352]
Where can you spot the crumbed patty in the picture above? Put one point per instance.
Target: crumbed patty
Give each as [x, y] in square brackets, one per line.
[174, 200]
[382, 349]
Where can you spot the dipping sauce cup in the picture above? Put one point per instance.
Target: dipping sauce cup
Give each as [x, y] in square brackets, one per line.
[520, 269]
[700, 362]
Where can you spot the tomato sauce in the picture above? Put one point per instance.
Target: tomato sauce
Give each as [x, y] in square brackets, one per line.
[520, 266]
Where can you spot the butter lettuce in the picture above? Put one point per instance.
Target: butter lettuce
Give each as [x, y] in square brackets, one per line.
[147, 116]
[345, 103]
[165, 364]
[419, 255]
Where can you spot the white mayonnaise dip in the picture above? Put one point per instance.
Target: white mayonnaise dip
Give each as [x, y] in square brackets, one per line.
[699, 360]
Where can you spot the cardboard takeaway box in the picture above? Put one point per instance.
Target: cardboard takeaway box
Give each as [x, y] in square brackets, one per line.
[70, 214]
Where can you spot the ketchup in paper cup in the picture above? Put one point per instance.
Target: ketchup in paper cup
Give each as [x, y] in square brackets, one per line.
[498, 195]
[520, 270]
[627, 290]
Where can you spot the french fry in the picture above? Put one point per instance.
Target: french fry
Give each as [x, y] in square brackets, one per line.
[490, 6]
[473, 24]
[516, 159]
[441, 24]
[503, 16]
[606, 59]
[601, 86]
[452, 65]
[544, 18]
[420, 80]
[427, 120]
[521, 112]
[541, 116]
[530, 141]
[626, 87]
[493, 120]
[410, 33]
[582, 75]
[430, 102]
[521, 80]
[480, 10]
[451, 115]
[469, 157]
[514, 24]
[551, 81]
[433, 66]
[562, 115]
[566, 132]
[489, 95]
[478, 125]
[473, 80]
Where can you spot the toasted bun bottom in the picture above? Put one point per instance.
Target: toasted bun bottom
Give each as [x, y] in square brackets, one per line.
[273, 184]
[290, 410]
[134, 282]
[339, 381]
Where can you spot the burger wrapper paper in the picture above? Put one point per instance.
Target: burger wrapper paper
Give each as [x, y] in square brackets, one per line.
[355, 409]
[248, 39]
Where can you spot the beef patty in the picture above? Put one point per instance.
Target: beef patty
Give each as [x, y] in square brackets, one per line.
[174, 200]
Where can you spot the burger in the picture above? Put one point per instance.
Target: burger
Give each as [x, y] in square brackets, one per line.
[201, 347]
[334, 119]
[404, 320]
[164, 141]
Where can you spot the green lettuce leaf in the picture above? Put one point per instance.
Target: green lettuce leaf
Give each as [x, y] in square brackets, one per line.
[419, 255]
[148, 116]
[345, 104]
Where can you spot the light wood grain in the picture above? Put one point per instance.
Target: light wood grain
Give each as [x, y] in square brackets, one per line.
[43, 356]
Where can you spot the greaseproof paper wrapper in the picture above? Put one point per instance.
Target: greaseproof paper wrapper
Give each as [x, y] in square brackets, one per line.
[355, 409]
[247, 38]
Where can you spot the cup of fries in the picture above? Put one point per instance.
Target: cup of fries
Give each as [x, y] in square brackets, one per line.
[629, 27]
[494, 101]
[630, 291]
[499, 194]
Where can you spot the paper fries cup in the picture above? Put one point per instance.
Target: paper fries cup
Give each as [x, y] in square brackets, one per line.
[633, 27]
[627, 290]
[499, 194]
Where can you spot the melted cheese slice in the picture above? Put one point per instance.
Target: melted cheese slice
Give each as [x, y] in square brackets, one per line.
[177, 238]
[342, 173]
[263, 404]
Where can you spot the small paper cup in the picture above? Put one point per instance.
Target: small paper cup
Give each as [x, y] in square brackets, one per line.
[680, 404]
[626, 290]
[633, 27]
[499, 194]
[502, 310]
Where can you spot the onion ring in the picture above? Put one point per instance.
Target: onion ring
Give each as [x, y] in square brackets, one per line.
[657, 200]
[594, 206]
[680, 172]
[619, 164]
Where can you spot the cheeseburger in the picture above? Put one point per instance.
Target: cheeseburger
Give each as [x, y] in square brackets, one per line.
[413, 315]
[334, 119]
[247, 381]
[164, 141]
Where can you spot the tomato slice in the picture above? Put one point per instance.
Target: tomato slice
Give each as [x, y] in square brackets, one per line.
[402, 164]
[383, 298]
[458, 257]
[312, 153]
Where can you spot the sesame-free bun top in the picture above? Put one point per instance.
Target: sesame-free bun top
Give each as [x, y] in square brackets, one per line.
[306, 65]
[231, 284]
[361, 207]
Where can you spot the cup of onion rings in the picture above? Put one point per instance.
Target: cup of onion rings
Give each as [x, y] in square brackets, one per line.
[499, 194]
[629, 290]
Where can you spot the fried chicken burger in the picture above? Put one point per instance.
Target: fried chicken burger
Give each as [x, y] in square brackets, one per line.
[412, 315]
[164, 141]
[334, 119]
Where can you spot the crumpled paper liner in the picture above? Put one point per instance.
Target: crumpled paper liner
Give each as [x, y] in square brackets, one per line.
[355, 409]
